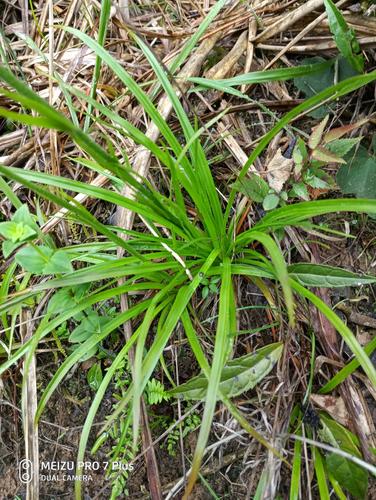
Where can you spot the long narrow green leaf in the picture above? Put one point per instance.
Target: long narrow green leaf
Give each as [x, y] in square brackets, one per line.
[182, 298]
[337, 488]
[270, 75]
[151, 359]
[292, 215]
[238, 375]
[137, 365]
[35, 121]
[82, 214]
[189, 46]
[9, 193]
[219, 358]
[326, 276]
[96, 272]
[166, 219]
[320, 474]
[103, 21]
[134, 88]
[296, 467]
[48, 325]
[56, 120]
[347, 369]
[127, 127]
[280, 267]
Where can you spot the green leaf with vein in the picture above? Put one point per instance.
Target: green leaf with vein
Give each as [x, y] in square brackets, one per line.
[95, 376]
[344, 37]
[239, 375]
[16, 231]
[43, 260]
[358, 176]
[254, 187]
[21, 228]
[341, 147]
[321, 80]
[327, 276]
[91, 325]
[349, 475]
[338, 436]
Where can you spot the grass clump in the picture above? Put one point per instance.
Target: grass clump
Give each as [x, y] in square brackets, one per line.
[189, 247]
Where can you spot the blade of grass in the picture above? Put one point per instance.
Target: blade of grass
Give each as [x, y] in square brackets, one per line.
[280, 267]
[81, 213]
[151, 359]
[347, 370]
[320, 474]
[102, 271]
[102, 30]
[296, 468]
[299, 212]
[139, 352]
[279, 74]
[10, 195]
[56, 120]
[47, 326]
[219, 359]
[341, 328]
[189, 46]
[165, 218]
[134, 88]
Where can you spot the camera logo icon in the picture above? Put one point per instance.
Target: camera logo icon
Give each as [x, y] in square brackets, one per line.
[25, 471]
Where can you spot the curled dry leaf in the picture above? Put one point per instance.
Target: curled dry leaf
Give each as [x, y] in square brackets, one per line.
[334, 406]
[279, 170]
[337, 133]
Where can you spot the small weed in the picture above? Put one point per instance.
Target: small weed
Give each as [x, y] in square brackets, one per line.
[210, 286]
[190, 424]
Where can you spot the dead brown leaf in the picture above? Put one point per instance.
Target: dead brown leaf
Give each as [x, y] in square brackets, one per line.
[278, 170]
[334, 406]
